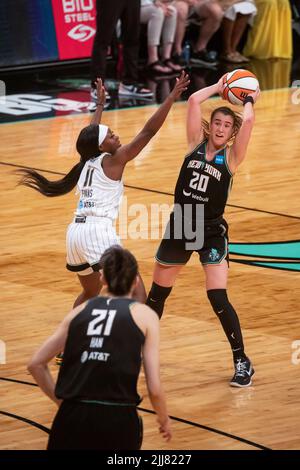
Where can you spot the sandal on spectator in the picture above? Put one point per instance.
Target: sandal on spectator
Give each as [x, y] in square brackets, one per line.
[159, 68]
[234, 58]
[231, 58]
[241, 57]
[172, 65]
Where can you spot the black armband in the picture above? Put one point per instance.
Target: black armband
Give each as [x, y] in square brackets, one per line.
[248, 99]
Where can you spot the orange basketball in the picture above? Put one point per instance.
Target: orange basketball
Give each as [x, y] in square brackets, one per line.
[238, 84]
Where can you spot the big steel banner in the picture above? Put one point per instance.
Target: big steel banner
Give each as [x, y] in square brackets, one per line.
[75, 24]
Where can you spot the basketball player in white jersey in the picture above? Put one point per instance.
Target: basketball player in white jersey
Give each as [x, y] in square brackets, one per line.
[98, 176]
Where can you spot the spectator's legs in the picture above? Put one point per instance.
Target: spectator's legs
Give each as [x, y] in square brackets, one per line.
[211, 15]
[154, 17]
[168, 33]
[182, 14]
[238, 30]
[130, 19]
[232, 33]
[107, 17]
[227, 29]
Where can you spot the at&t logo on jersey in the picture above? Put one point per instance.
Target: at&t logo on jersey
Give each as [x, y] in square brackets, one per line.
[94, 356]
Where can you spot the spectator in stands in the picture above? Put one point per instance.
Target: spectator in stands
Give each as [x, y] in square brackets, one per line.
[108, 14]
[161, 18]
[237, 14]
[210, 13]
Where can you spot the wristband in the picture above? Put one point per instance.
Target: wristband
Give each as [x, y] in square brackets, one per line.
[248, 99]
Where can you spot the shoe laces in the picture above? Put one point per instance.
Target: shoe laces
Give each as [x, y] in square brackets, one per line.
[240, 367]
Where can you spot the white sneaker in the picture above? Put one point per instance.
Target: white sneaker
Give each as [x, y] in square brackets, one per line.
[135, 91]
[94, 96]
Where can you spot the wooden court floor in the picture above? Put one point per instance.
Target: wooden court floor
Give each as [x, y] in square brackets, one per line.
[264, 207]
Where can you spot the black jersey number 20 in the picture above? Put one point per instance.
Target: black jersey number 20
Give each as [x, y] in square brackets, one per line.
[199, 182]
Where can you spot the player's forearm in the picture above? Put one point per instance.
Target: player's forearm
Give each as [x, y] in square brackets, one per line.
[202, 95]
[96, 118]
[159, 405]
[156, 121]
[248, 114]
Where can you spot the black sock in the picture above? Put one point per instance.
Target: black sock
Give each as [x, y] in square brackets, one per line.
[229, 320]
[157, 297]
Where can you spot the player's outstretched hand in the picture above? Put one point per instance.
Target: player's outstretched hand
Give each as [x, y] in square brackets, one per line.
[181, 85]
[101, 97]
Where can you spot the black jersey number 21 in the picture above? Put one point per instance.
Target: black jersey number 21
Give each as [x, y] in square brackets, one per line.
[103, 321]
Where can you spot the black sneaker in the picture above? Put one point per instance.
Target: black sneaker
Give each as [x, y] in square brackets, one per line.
[179, 60]
[243, 373]
[136, 91]
[59, 359]
[204, 59]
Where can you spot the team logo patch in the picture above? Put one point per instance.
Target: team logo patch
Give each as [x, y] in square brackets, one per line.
[219, 160]
[214, 255]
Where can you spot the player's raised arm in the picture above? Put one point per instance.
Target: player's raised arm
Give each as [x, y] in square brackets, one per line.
[194, 129]
[239, 148]
[152, 126]
[101, 98]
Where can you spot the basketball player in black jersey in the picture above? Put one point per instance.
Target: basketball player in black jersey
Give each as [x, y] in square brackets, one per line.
[96, 389]
[205, 179]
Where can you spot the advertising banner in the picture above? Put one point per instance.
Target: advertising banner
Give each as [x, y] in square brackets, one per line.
[75, 25]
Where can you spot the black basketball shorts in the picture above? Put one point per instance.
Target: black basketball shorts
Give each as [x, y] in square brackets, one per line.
[89, 426]
[175, 251]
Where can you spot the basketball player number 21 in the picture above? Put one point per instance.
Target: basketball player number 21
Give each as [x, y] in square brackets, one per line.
[104, 319]
[199, 182]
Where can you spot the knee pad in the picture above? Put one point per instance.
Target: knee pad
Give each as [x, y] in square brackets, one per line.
[157, 297]
[158, 293]
[218, 299]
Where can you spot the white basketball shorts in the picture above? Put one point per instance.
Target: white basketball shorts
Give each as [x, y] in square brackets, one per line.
[87, 239]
